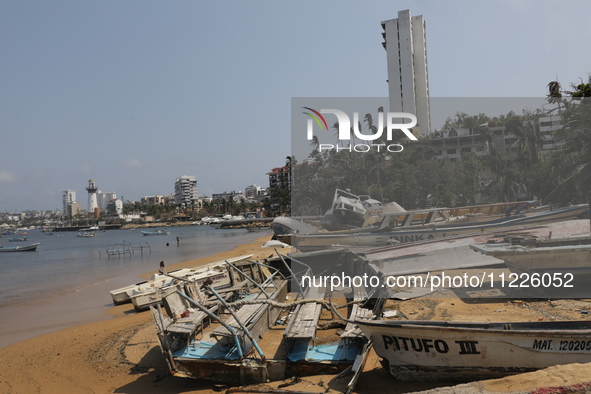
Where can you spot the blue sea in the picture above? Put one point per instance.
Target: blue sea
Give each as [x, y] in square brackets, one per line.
[64, 263]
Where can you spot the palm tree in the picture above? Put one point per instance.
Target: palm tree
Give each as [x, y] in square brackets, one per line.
[315, 144]
[576, 132]
[528, 141]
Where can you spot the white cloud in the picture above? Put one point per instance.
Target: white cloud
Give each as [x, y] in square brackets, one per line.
[134, 163]
[7, 177]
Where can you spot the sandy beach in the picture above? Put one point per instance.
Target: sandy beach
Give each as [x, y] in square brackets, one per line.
[121, 354]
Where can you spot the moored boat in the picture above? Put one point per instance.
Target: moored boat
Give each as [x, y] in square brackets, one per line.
[155, 232]
[24, 248]
[17, 239]
[464, 351]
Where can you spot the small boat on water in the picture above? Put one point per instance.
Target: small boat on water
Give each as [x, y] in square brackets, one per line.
[86, 234]
[24, 248]
[17, 239]
[465, 351]
[155, 232]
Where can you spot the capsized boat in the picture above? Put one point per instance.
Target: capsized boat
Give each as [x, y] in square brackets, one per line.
[24, 248]
[464, 351]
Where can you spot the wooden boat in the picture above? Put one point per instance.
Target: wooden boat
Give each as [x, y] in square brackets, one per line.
[155, 232]
[463, 351]
[412, 233]
[227, 352]
[143, 294]
[24, 248]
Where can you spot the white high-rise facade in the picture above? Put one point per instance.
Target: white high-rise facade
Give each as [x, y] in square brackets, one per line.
[68, 197]
[103, 198]
[185, 189]
[406, 53]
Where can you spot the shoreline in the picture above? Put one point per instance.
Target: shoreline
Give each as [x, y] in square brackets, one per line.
[21, 322]
[120, 354]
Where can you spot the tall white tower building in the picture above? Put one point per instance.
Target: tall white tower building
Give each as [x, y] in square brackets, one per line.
[92, 200]
[406, 53]
[185, 189]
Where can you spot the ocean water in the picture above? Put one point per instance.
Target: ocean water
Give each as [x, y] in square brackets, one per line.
[64, 263]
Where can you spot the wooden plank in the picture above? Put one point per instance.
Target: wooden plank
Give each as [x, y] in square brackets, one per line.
[305, 322]
[359, 364]
[175, 305]
[351, 330]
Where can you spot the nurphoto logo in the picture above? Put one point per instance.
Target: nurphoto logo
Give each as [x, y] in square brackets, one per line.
[394, 121]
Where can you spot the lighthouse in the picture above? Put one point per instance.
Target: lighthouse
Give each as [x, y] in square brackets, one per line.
[93, 209]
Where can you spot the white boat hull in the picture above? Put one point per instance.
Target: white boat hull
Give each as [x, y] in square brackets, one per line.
[144, 294]
[423, 350]
[142, 301]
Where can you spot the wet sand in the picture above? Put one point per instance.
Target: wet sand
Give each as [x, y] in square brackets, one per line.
[121, 354]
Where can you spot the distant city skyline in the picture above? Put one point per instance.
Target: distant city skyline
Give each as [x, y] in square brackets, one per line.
[133, 94]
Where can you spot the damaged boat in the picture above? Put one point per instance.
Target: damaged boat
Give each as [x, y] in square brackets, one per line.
[258, 329]
[430, 229]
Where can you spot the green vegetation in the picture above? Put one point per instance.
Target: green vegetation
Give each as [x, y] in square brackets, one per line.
[415, 179]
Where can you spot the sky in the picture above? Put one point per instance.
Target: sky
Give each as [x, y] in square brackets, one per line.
[136, 93]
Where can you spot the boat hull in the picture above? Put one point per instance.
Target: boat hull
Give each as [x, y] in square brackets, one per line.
[147, 233]
[568, 255]
[319, 241]
[424, 350]
[25, 248]
[142, 301]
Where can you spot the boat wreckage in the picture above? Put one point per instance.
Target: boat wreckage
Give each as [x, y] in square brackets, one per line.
[430, 227]
[263, 326]
[278, 318]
